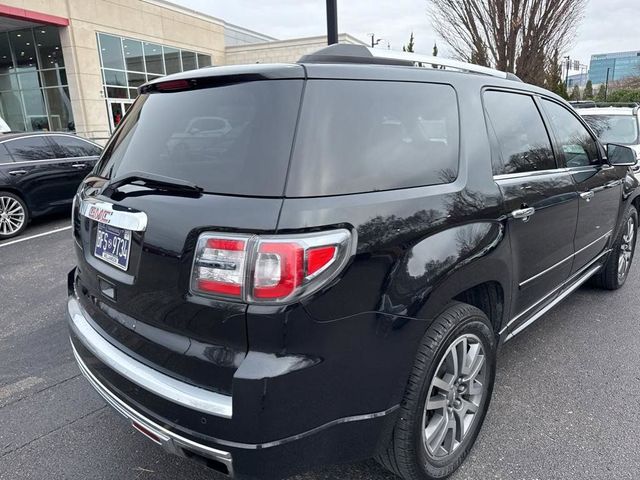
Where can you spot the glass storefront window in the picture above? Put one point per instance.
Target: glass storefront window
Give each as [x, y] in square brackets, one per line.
[172, 60]
[111, 51]
[29, 80]
[51, 78]
[6, 61]
[114, 77]
[188, 61]
[49, 49]
[9, 82]
[204, 60]
[11, 107]
[133, 54]
[60, 115]
[136, 79]
[24, 48]
[114, 92]
[153, 58]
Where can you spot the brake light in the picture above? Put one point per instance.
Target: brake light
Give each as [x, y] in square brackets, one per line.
[268, 269]
[220, 266]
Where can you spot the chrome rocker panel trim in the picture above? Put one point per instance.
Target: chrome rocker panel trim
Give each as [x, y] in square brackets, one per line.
[170, 441]
[151, 380]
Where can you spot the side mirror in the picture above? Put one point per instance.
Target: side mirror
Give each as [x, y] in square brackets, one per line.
[621, 155]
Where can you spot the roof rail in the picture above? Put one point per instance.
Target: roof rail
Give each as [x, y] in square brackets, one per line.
[349, 53]
[593, 104]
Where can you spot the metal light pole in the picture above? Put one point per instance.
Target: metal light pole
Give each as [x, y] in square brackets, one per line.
[332, 22]
[566, 73]
[606, 85]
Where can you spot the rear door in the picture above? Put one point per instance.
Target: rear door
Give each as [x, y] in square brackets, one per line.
[81, 154]
[540, 198]
[139, 294]
[45, 180]
[599, 185]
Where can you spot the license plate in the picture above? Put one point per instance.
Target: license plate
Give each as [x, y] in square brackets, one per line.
[113, 245]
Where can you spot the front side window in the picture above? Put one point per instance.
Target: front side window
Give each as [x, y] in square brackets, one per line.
[364, 136]
[523, 143]
[622, 129]
[576, 144]
[30, 148]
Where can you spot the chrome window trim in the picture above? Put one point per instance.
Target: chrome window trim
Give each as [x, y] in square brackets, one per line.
[46, 135]
[134, 221]
[158, 383]
[533, 173]
[570, 257]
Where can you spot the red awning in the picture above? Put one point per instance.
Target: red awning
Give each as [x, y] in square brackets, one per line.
[31, 16]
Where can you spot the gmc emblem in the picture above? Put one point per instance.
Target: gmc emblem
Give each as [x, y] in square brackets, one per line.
[99, 215]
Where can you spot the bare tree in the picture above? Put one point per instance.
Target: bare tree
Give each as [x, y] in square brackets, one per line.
[516, 36]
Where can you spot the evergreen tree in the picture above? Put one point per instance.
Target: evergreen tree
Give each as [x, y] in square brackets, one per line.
[553, 76]
[588, 91]
[409, 46]
[601, 93]
[575, 93]
[435, 49]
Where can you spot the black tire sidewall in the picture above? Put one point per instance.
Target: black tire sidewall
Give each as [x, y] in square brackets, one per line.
[618, 246]
[26, 215]
[477, 324]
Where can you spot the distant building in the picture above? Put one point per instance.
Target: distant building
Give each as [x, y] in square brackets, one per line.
[620, 64]
[579, 79]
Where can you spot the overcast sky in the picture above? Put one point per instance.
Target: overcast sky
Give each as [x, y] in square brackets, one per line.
[608, 25]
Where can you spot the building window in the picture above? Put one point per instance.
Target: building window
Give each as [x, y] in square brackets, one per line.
[33, 82]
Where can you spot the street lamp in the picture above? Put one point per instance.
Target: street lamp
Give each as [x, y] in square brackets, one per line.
[332, 22]
[374, 41]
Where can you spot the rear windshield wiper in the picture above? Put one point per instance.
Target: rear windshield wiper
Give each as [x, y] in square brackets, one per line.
[152, 180]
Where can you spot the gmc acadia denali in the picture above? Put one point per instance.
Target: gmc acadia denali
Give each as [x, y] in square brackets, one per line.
[283, 266]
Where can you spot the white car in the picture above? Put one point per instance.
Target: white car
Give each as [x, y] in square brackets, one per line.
[615, 124]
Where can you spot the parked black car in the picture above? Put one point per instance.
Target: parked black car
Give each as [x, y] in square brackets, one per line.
[39, 173]
[328, 279]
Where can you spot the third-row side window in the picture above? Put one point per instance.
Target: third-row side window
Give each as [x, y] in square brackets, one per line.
[523, 142]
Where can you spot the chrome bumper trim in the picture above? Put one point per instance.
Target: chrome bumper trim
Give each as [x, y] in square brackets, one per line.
[170, 441]
[151, 380]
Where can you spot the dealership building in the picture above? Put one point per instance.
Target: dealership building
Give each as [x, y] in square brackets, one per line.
[75, 65]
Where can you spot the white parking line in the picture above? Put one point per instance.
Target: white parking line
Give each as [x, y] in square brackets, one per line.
[61, 229]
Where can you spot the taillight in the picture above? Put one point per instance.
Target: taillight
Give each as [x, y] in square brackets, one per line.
[268, 269]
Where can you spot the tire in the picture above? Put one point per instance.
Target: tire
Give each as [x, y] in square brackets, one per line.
[14, 215]
[408, 455]
[615, 271]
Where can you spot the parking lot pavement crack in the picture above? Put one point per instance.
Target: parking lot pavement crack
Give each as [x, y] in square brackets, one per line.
[48, 387]
[20, 447]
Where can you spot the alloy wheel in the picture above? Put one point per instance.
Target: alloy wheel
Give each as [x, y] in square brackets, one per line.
[626, 249]
[454, 397]
[12, 215]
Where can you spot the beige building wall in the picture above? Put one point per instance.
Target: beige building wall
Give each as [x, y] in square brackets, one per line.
[148, 20]
[281, 51]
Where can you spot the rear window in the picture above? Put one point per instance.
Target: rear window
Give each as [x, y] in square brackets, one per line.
[363, 136]
[231, 139]
[614, 128]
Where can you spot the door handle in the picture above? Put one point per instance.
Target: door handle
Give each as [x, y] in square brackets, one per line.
[588, 195]
[17, 172]
[79, 165]
[523, 213]
[613, 183]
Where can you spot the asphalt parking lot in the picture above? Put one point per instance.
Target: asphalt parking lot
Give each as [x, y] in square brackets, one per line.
[565, 406]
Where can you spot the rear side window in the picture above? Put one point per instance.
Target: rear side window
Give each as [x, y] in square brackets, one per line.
[229, 139]
[577, 145]
[523, 142]
[30, 148]
[69, 147]
[363, 136]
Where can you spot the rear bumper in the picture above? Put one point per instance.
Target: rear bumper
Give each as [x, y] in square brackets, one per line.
[201, 424]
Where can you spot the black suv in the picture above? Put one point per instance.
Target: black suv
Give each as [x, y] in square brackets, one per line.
[282, 266]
